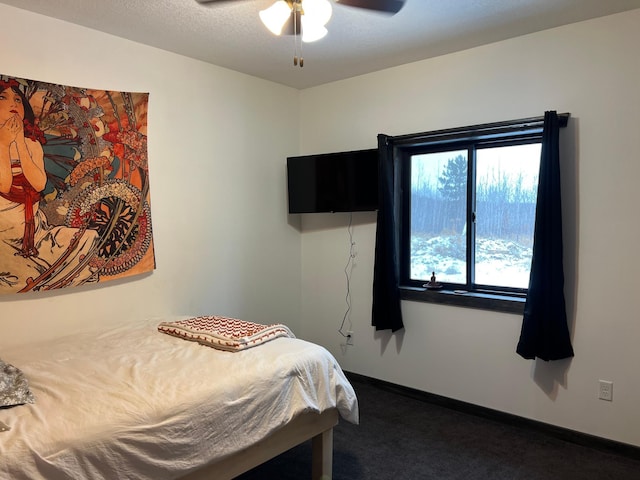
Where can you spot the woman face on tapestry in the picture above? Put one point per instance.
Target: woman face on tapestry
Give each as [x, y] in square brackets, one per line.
[11, 104]
[16, 145]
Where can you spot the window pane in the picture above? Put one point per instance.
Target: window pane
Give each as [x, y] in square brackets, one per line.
[506, 191]
[438, 216]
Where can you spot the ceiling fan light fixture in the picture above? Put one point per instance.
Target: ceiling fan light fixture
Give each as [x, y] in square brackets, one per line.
[313, 15]
[312, 31]
[275, 17]
[318, 10]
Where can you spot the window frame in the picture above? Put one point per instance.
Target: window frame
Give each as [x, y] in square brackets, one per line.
[514, 132]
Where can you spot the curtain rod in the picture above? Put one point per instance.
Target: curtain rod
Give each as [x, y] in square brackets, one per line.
[531, 123]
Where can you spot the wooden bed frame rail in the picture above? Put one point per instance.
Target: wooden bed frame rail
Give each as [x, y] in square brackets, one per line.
[314, 426]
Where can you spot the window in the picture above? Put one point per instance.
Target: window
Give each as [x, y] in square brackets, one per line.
[467, 209]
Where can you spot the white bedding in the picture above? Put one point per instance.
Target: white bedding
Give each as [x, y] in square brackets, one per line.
[134, 403]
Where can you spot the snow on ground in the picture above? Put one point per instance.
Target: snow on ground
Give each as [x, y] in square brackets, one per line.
[498, 262]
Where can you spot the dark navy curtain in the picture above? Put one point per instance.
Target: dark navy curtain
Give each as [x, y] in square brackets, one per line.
[545, 333]
[386, 313]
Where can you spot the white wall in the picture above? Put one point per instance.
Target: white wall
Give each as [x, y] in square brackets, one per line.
[217, 147]
[589, 69]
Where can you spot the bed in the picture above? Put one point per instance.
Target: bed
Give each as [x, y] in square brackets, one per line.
[131, 402]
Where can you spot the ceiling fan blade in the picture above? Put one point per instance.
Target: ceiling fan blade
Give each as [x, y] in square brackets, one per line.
[389, 6]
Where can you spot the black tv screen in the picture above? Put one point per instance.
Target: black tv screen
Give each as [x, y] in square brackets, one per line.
[333, 182]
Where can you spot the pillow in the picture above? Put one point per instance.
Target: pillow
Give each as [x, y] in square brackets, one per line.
[14, 387]
[223, 333]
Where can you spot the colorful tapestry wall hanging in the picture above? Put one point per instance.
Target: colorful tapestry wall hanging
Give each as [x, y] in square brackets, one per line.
[74, 186]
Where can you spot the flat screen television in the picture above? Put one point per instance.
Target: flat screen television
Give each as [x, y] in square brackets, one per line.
[333, 182]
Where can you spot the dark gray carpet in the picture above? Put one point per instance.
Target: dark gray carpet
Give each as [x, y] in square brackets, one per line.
[400, 437]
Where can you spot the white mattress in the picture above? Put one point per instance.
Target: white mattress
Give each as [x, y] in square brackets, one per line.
[135, 403]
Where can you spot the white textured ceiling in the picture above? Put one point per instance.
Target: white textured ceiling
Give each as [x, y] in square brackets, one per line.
[230, 34]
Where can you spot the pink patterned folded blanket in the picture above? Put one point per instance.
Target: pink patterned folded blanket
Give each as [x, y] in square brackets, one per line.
[224, 333]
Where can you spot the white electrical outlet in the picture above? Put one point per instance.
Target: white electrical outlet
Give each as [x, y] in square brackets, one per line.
[605, 390]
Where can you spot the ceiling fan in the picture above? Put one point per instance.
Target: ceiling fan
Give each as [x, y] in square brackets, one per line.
[306, 19]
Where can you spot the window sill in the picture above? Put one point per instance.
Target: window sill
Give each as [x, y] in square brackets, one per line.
[480, 301]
